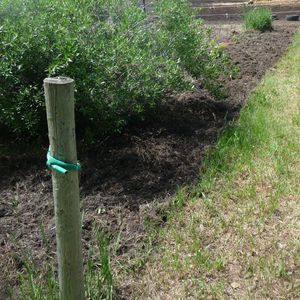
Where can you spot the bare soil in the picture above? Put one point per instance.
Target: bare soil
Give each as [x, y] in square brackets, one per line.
[129, 177]
[235, 12]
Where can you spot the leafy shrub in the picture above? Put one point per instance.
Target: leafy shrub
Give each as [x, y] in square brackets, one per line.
[123, 63]
[184, 37]
[259, 18]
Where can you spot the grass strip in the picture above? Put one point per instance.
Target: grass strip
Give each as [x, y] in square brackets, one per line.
[237, 235]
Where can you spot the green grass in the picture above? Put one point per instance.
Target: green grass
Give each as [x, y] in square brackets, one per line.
[258, 18]
[237, 234]
[37, 284]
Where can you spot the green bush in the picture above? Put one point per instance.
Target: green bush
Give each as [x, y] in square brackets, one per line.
[123, 62]
[259, 18]
[184, 37]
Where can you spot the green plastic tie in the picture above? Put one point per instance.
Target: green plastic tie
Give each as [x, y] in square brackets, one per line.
[60, 166]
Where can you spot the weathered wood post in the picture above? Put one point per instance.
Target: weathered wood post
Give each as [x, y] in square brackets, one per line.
[62, 158]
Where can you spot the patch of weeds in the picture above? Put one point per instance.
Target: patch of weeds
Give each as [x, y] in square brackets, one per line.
[139, 262]
[35, 286]
[152, 222]
[179, 199]
[98, 275]
[250, 269]
[219, 263]
[199, 255]
[296, 119]
[42, 285]
[175, 260]
[259, 18]
[238, 142]
[201, 259]
[210, 290]
[282, 272]
[213, 211]
[261, 98]
[236, 38]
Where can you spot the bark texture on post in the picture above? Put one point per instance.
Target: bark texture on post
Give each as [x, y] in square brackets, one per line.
[59, 94]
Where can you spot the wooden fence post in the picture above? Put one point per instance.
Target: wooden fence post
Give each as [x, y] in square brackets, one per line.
[59, 95]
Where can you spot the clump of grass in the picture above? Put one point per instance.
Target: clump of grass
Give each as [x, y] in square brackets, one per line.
[98, 276]
[37, 286]
[259, 18]
[42, 285]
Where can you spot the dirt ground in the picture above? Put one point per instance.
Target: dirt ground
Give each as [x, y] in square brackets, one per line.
[233, 12]
[131, 176]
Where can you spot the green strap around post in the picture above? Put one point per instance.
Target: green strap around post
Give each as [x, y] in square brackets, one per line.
[60, 166]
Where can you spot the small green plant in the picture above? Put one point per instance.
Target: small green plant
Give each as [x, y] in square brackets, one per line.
[259, 18]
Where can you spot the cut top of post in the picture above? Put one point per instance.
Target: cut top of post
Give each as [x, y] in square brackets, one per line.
[58, 80]
[59, 95]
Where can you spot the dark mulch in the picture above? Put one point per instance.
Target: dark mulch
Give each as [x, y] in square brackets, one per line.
[128, 176]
